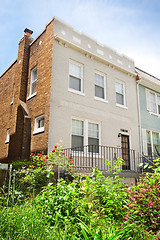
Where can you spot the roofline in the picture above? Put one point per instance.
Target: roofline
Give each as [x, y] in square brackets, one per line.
[8, 69]
[147, 73]
[42, 31]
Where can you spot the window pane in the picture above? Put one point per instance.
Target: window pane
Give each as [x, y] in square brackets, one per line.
[155, 137]
[77, 141]
[77, 127]
[93, 130]
[93, 145]
[99, 80]
[119, 87]
[34, 75]
[153, 103]
[148, 137]
[156, 147]
[119, 99]
[99, 92]
[75, 83]
[74, 70]
[33, 87]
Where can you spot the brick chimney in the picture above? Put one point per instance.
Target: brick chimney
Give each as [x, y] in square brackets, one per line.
[19, 119]
[28, 32]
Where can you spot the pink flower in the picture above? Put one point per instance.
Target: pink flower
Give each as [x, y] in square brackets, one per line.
[74, 166]
[63, 153]
[46, 157]
[53, 150]
[55, 146]
[57, 152]
[31, 154]
[44, 160]
[72, 162]
[79, 175]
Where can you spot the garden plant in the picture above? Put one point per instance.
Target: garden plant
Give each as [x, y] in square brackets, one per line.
[80, 207]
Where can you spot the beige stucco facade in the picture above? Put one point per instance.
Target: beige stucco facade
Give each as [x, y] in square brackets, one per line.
[67, 104]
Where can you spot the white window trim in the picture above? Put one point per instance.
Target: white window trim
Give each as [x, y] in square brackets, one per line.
[86, 121]
[30, 89]
[148, 102]
[8, 136]
[71, 89]
[124, 94]
[38, 130]
[105, 86]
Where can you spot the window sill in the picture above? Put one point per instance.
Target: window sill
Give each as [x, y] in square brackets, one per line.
[76, 92]
[40, 130]
[155, 114]
[101, 99]
[31, 96]
[121, 106]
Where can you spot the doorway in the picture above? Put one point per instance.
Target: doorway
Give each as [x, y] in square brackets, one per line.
[125, 151]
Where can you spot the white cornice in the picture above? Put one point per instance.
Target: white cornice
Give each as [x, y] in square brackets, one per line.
[92, 55]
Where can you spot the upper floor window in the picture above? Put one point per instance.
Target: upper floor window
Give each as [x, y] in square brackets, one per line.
[8, 136]
[153, 102]
[120, 93]
[39, 124]
[76, 76]
[13, 93]
[33, 81]
[100, 89]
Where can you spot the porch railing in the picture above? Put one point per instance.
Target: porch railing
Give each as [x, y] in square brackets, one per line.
[87, 157]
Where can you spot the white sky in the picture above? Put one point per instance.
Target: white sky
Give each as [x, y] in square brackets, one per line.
[131, 27]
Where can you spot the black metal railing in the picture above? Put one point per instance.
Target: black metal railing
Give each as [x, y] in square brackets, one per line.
[87, 157]
[147, 160]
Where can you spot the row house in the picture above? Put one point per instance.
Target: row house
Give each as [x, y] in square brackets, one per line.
[65, 87]
[149, 108]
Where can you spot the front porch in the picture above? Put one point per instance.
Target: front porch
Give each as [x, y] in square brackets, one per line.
[86, 158]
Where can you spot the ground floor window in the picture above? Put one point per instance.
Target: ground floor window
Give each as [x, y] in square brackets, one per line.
[153, 142]
[85, 132]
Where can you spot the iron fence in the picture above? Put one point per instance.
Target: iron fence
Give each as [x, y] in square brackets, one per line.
[87, 157]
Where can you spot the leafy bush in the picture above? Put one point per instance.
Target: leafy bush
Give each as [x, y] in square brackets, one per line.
[144, 205]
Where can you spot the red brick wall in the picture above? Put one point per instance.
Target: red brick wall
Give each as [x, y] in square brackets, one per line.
[41, 56]
[21, 123]
[6, 90]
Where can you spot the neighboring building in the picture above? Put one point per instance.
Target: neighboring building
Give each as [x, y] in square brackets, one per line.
[149, 106]
[66, 86]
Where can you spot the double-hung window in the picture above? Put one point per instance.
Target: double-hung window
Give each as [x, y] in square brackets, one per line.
[156, 143]
[33, 81]
[100, 91]
[120, 93]
[93, 137]
[153, 102]
[85, 133]
[75, 76]
[153, 142]
[77, 133]
[39, 124]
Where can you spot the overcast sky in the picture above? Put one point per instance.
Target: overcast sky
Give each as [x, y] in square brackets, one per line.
[131, 27]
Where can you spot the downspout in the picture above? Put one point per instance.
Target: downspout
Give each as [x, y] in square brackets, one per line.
[138, 81]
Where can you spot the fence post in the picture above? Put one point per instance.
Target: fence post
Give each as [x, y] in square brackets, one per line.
[9, 184]
[14, 179]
